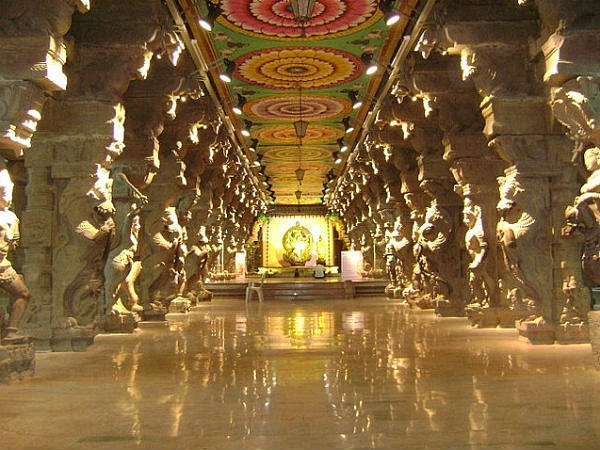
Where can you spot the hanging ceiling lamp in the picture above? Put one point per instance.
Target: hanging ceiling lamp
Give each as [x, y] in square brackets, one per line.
[300, 171]
[300, 125]
[302, 9]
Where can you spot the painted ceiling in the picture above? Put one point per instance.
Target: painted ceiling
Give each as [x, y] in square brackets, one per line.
[284, 71]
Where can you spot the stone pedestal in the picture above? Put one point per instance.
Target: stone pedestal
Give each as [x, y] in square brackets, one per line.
[394, 292]
[179, 305]
[154, 314]
[594, 330]
[572, 333]
[121, 323]
[75, 339]
[536, 332]
[492, 317]
[445, 308]
[17, 362]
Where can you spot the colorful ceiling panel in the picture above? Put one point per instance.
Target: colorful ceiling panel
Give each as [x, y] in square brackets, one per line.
[286, 71]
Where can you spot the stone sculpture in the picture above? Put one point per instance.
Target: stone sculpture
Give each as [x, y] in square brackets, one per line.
[481, 283]
[123, 266]
[10, 280]
[584, 216]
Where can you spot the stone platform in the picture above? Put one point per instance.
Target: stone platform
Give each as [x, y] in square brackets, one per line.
[17, 362]
[301, 288]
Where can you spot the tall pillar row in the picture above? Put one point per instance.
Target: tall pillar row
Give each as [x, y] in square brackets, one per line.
[70, 216]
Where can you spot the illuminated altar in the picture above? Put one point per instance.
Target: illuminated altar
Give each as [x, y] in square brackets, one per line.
[297, 240]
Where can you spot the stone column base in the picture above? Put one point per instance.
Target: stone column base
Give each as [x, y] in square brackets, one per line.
[536, 332]
[17, 362]
[594, 329]
[493, 316]
[572, 333]
[118, 322]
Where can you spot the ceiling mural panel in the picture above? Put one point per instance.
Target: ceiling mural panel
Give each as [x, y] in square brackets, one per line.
[298, 68]
[292, 153]
[288, 109]
[294, 83]
[285, 134]
[275, 18]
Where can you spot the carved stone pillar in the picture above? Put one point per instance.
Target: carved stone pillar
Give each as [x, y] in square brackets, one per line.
[80, 134]
[569, 44]
[519, 126]
[476, 175]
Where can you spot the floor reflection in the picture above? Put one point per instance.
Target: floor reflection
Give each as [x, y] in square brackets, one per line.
[328, 375]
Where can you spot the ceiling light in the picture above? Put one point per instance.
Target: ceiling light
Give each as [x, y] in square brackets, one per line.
[353, 96]
[343, 147]
[300, 127]
[300, 173]
[298, 194]
[347, 127]
[302, 9]
[240, 104]
[246, 130]
[390, 16]
[228, 72]
[370, 66]
[253, 145]
[214, 11]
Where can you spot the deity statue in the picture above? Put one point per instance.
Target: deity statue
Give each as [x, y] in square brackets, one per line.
[160, 279]
[123, 266]
[196, 269]
[431, 250]
[481, 284]
[521, 231]
[584, 216]
[95, 238]
[399, 259]
[297, 244]
[10, 280]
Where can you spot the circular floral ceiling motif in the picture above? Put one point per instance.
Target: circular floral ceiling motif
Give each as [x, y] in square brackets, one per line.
[275, 18]
[291, 108]
[291, 153]
[285, 134]
[277, 170]
[292, 68]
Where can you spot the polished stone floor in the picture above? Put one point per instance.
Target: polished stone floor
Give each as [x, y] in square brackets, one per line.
[357, 374]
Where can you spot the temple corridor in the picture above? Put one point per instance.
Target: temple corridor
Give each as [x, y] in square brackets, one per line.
[365, 373]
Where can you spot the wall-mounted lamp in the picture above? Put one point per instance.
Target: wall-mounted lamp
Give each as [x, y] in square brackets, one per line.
[353, 96]
[390, 16]
[371, 66]
[342, 145]
[241, 101]
[228, 72]
[348, 128]
[214, 11]
[246, 131]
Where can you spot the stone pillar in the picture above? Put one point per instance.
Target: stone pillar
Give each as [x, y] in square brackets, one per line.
[476, 175]
[518, 126]
[69, 209]
[569, 45]
[33, 53]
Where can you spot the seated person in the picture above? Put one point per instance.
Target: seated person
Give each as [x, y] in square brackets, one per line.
[319, 271]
